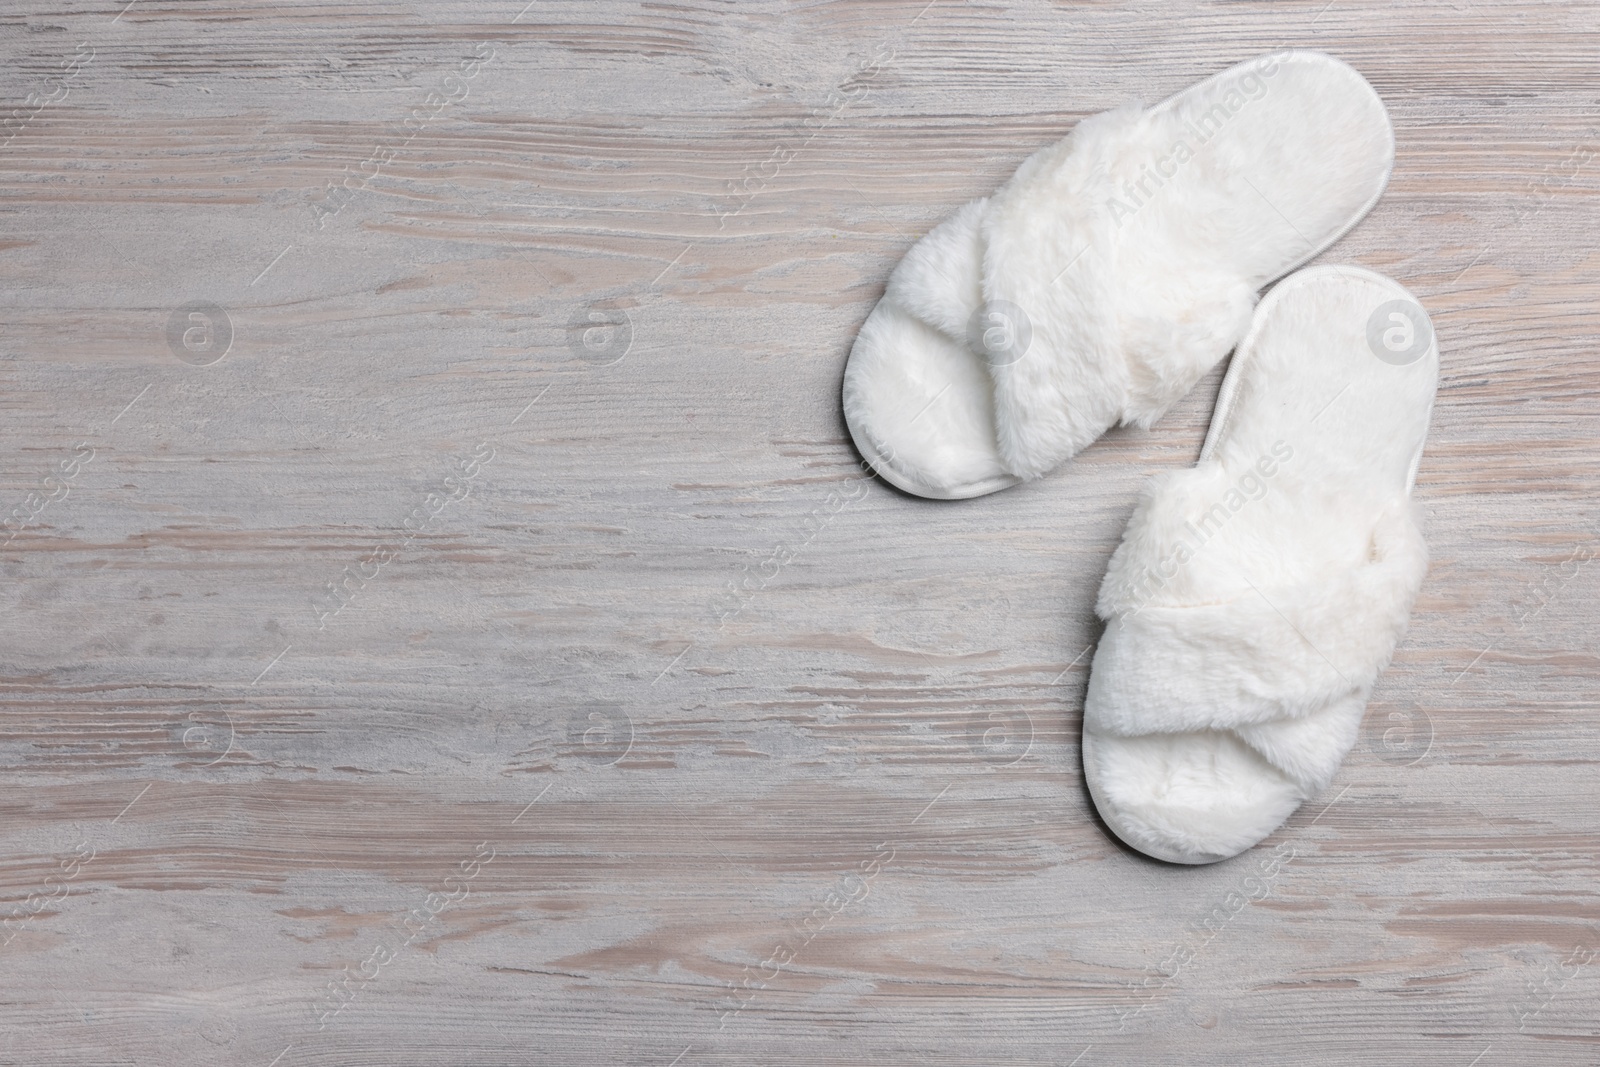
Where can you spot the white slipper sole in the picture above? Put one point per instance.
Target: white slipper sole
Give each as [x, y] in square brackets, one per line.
[1114, 269]
[1256, 597]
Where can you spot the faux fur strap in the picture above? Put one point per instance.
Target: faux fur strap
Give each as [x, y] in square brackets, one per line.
[1280, 622]
[1104, 319]
[1124, 312]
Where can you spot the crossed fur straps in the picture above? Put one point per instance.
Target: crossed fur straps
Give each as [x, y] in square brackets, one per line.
[1273, 627]
[1115, 329]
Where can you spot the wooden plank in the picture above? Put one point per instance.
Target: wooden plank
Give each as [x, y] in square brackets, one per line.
[515, 787]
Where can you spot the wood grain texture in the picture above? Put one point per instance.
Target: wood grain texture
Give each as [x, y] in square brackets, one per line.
[374, 694]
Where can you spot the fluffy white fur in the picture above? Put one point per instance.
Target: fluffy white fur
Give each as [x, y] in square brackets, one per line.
[1135, 246]
[1256, 597]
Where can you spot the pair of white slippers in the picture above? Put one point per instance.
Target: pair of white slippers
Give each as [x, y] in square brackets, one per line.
[1254, 598]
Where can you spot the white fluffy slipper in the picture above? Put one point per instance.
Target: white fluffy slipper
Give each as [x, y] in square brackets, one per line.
[1256, 596]
[1113, 270]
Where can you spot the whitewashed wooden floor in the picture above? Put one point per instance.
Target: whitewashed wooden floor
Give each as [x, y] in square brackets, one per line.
[373, 694]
